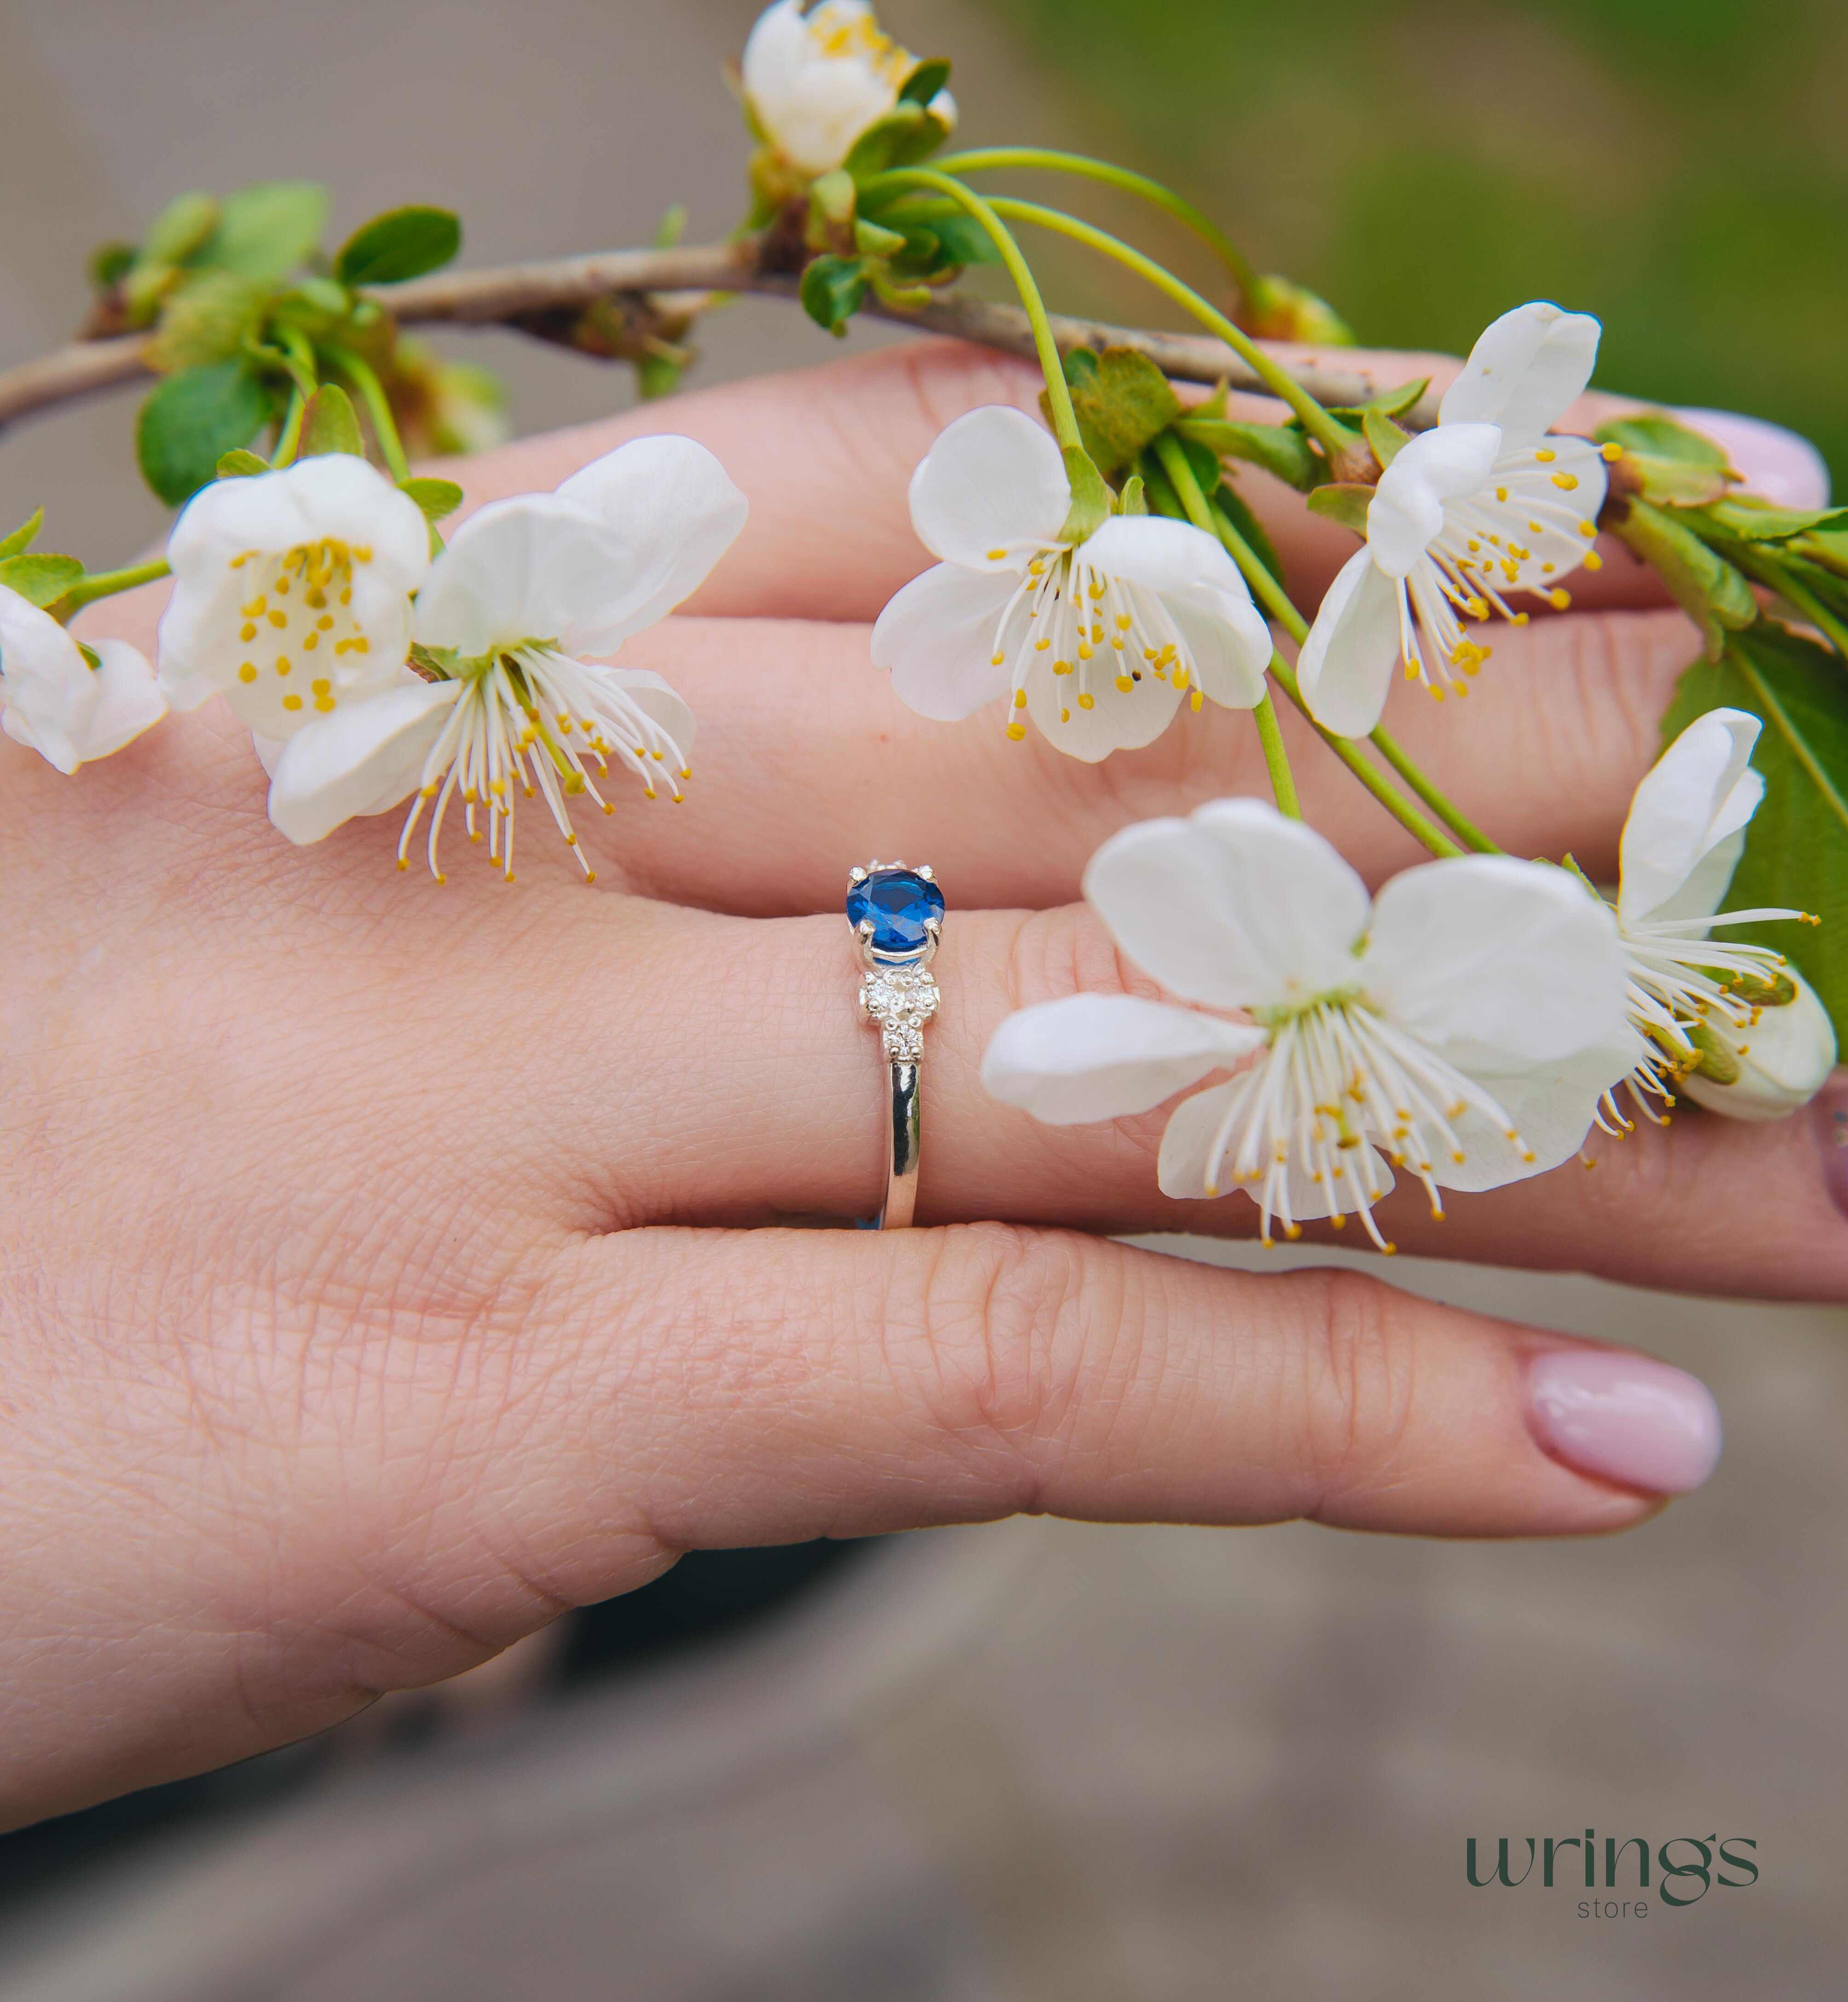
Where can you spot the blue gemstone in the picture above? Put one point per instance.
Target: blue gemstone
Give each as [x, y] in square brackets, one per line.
[900, 903]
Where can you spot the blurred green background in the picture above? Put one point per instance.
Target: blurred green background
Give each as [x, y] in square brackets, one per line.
[1677, 167]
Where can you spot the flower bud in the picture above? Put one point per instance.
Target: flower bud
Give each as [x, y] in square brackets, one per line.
[1278, 309]
[1775, 1066]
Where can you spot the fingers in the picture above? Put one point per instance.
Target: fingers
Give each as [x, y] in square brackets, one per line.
[750, 1032]
[808, 763]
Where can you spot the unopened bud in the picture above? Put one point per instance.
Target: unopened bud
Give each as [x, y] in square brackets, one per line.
[1279, 309]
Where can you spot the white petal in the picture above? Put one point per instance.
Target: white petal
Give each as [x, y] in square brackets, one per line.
[1550, 1106]
[128, 699]
[1118, 719]
[1784, 1060]
[776, 51]
[1099, 1056]
[1523, 371]
[1484, 952]
[937, 636]
[534, 568]
[1522, 529]
[1345, 669]
[365, 758]
[994, 480]
[1234, 906]
[1701, 791]
[656, 699]
[810, 104]
[47, 691]
[1204, 594]
[1407, 511]
[674, 512]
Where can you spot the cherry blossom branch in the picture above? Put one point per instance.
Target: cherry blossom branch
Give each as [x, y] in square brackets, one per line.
[535, 297]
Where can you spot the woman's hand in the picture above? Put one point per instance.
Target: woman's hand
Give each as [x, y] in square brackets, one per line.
[374, 1277]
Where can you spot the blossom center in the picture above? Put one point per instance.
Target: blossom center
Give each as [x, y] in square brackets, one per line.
[846, 34]
[299, 644]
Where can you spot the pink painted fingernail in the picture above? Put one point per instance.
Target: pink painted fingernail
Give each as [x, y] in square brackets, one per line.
[1611, 1412]
[1775, 462]
[1829, 1121]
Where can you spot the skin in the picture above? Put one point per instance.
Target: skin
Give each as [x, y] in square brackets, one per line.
[374, 1283]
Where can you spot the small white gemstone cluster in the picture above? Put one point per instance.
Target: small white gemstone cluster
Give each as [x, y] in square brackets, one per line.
[901, 999]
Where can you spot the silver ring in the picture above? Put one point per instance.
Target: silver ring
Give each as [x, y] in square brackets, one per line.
[897, 915]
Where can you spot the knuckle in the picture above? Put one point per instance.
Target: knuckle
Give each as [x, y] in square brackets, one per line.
[1358, 1383]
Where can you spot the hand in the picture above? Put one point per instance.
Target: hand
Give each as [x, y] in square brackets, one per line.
[376, 1283]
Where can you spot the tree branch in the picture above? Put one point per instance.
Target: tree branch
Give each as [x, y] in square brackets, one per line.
[517, 293]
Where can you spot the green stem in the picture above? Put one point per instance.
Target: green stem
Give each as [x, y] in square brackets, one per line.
[1464, 830]
[1183, 212]
[1059, 397]
[106, 582]
[289, 437]
[299, 359]
[1328, 431]
[1199, 511]
[364, 378]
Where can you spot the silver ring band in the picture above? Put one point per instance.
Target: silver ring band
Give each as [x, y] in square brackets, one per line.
[897, 918]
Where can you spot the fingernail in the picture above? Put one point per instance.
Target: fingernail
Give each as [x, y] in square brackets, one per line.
[1775, 462]
[1829, 1121]
[1610, 1412]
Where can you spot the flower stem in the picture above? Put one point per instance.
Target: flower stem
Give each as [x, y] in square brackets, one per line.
[106, 582]
[364, 378]
[1183, 212]
[1199, 511]
[1059, 397]
[298, 357]
[1464, 830]
[1333, 437]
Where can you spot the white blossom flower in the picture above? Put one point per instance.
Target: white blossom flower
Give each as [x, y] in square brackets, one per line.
[1096, 641]
[1693, 1000]
[1462, 1025]
[815, 82]
[291, 591]
[1486, 504]
[525, 590]
[54, 702]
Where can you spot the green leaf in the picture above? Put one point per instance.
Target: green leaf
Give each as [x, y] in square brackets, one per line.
[1386, 438]
[190, 421]
[437, 498]
[954, 240]
[1796, 848]
[41, 580]
[925, 81]
[208, 317]
[872, 239]
[402, 243]
[242, 464]
[1123, 403]
[1389, 403]
[1231, 503]
[1280, 449]
[1667, 463]
[329, 424]
[907, 133]
[671, 226]
[1657, 436]
[1754, 521]
[1344, 501]
[109, 264]
[1702, 583]
[833, 290]
[23, 536]
[1280, 310]
[181, 230]
[266, 230]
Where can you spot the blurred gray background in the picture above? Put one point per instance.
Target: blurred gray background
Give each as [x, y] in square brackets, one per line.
[1038, 1760]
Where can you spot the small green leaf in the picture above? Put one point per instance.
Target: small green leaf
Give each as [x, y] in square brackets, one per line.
[870, 239]
[1656, 436]
[41, 580]
[671, 226]
[1280, 310]
[402, 243]
[1280, 449]
[1702, 583]
[1090, 497]
[1123, 403]
[208, 317]
[190, 421]
[330, 425]
[925, 81]
[1796, 854]
[1344, 501]
[949, 241]
[242, 464]
[1665, 462]
[1754, 521]
[181, 230]
[1386, 438]
[437, 498]
[833, 291]
[906, 134]
[266, 232]
[1132, 496]
[109, 264]
[325, 295]
[23, 536]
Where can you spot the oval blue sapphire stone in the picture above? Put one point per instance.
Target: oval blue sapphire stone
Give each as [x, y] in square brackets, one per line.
[900, 903]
